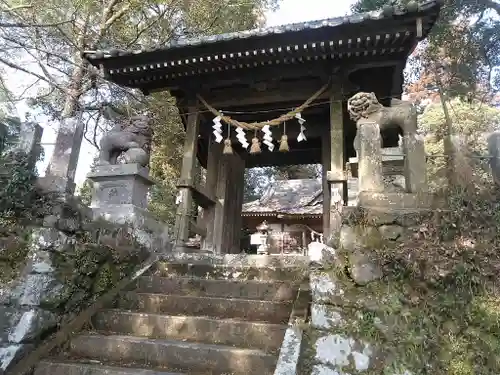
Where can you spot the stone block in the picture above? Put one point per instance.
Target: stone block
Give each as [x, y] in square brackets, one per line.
[326, 317]
[341, 352]
[26, 326]
[325, 288]
[321, 254]
[354, 237]
[37, 288]
[387, 216]
[148, 231]
[364, 269]
[10, 354]
[399, 201]
[391, 232]
[123, 184]
[324, 370]
[49, 239]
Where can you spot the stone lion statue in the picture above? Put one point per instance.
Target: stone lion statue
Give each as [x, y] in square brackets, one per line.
[132, 138]
[364, 105]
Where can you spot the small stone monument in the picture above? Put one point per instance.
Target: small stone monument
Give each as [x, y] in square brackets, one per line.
[121, 189]
[60, 174]
[368, 146]
[29, 143]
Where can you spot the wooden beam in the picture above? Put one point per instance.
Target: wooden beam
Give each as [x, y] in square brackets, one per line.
[276, 158]
[287, 92]
[200, 194]
[183, 217]
[325, 162]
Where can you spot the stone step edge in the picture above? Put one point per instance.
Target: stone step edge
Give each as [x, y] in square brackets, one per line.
[106, 370]
[211, 298]
[253, 261]
[194, 317]
[218, 280]
[178, 343]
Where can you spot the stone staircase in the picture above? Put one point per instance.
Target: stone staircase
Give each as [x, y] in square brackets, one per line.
[188, 318]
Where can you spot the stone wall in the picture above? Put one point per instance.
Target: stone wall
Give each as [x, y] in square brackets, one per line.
[70, 262]
[352, 306]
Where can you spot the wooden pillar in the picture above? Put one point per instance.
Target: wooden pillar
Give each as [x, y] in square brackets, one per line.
[228, 205]
[325, 156]
[214, 156]
[335, 176]
[183, 218]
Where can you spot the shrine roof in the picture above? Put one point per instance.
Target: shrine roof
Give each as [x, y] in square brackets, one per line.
[288, 197]
[390, 31]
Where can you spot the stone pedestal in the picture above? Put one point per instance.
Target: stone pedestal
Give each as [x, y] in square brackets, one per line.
[120, 196]
[415, 163]
[369, 149]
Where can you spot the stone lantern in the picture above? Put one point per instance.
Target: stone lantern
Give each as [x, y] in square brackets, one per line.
[261, 238]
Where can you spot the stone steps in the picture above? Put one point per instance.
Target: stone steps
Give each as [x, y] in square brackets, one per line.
[172, 354]
[190, 317]
[196, 287]
[224, 308]
[251, 335]
[76, 368]
[228, 272]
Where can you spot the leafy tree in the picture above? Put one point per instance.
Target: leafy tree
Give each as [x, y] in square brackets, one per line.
[44, 40]
[462, 51]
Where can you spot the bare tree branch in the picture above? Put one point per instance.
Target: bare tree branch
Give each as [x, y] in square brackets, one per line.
[27, 71]
[493, 5]
[33, 25]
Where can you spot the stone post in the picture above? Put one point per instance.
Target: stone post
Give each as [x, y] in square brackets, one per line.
[415, 163]
[494, 153]
[368, 146]
[60, 174]
[29, 142]
[3, 136]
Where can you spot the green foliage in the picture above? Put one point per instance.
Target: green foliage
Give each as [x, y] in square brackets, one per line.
[13, 251]
[19, 196]
[437, 309]
[465, 42]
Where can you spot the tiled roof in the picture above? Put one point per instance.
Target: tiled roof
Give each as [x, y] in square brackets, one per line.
[289, 197]
[385, 13]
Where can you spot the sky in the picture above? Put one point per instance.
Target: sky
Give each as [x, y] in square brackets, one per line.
[290, 11]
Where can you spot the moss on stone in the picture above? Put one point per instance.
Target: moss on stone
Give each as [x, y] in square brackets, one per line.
[14, 248]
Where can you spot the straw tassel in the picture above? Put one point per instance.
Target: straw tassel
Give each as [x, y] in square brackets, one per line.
[284, 143]
[228, 149]
[255, 148]
[284, 140]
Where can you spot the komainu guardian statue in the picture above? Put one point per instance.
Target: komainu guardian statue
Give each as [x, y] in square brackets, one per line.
[130, 138]
[364, 105]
